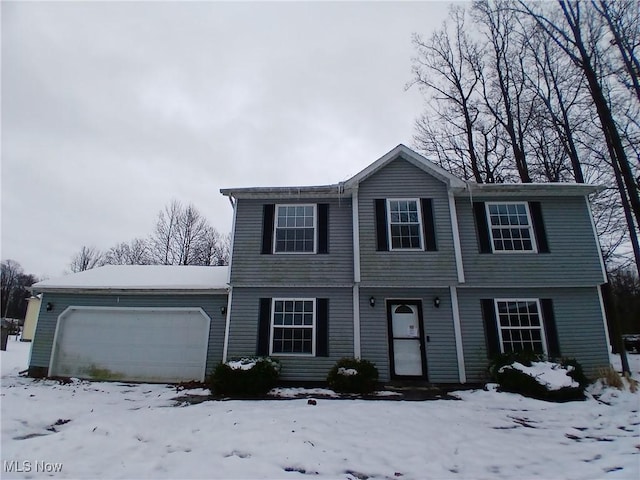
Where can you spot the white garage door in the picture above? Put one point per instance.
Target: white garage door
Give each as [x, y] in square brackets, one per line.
[133, 344]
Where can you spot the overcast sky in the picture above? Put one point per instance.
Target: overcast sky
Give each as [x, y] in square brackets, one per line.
[111, 110]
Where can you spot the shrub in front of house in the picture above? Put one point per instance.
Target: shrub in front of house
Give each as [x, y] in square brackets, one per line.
[353, 375]
[245, 377]
[535, 376]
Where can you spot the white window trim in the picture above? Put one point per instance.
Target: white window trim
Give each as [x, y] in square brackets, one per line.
[313, 327]
[420, 228]
[315, 228]
[543, 335]
[532, 233]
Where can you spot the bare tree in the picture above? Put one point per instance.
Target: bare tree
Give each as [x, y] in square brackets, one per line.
[135, 252]
[623, 19]
[580, 34]
[14, 289]
[11, 271]
[503, 83]
[86, 259]
[183, 236]
[448, 69]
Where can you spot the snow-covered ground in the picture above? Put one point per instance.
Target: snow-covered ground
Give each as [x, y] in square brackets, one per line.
[115, 430]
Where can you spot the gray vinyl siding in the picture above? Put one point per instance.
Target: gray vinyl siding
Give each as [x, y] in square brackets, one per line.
[243, 333]
[442, 364]
[578, 319]
[47, 321]
[401, 179]
[573, 259]
[249, 267]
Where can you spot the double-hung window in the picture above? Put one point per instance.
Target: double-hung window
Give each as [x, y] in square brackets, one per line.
[405, 224]
[510, 227]
[295, 229]
[293, 325]
[520, 326]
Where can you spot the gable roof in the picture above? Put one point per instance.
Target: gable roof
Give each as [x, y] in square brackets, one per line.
[337, 189]
[458, 186]
[140, 278]
[404, 152]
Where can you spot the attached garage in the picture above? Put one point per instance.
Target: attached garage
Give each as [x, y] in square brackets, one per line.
[161, 324]
[133, 344]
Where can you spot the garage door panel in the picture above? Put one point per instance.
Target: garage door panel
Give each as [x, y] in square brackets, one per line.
[152, 345]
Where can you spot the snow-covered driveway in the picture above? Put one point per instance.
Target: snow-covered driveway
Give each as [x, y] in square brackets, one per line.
[113, 430]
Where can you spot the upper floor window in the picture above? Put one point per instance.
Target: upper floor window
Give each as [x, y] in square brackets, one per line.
[520, 326]
[295, 229]
[405, 224]
[405, 227]
[510, 227]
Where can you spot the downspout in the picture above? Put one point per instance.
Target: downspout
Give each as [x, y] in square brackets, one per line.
[457, 249]
[357, 350]
[457, 330]
[225, 347]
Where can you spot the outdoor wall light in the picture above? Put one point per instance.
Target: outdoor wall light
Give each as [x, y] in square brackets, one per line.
[223, 310]
[436, 302]
[372, 301]
[49, 306]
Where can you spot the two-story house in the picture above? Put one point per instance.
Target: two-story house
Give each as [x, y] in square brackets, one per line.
[404, 265]
[416, 270]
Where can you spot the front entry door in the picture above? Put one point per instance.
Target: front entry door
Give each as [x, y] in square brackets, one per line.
[406, 340]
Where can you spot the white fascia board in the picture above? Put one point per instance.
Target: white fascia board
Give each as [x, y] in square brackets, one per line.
[512, 286]
[292, 285]
[528, 190]
[262, 193]
[136, 291]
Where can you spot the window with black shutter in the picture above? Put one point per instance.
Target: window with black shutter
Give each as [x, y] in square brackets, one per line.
[405, 224]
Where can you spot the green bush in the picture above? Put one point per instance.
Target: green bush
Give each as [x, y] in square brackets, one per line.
[513, 380]
[352, 375]
[245, 377]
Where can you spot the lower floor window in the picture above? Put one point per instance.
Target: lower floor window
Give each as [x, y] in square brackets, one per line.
[520, 326]
[293, 326]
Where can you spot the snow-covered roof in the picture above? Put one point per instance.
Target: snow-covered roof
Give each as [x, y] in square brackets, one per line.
[140, 278]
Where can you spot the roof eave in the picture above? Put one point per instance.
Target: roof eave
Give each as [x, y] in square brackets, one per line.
[334, 190]
[131, 291]
[528, 189]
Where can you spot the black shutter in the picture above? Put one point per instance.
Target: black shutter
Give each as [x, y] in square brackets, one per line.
[323, 228]
[538, 227]
[490, 327]
[264, 327]
[381, 225]
[480, 213]
[549, 320]
[268, 212]
[322, 327]
[428, 225]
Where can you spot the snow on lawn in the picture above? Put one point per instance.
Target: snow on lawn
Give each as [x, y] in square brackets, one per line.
[116, 430]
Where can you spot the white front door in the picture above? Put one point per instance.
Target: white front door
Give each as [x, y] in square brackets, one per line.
[406, 340]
